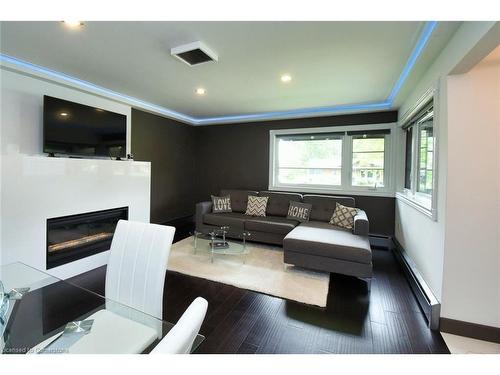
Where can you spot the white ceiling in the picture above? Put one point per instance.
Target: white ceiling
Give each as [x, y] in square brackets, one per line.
[332, 63]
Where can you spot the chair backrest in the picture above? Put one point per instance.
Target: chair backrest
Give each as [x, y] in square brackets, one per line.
[137, 265]
[180, 339]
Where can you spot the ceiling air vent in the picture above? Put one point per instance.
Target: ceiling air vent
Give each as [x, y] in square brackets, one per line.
[194, 53]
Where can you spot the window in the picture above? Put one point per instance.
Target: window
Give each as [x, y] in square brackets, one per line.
[368, 159]
[314, 159]
[425, 157]
[331, 159]
[420, 159]
[409, 157]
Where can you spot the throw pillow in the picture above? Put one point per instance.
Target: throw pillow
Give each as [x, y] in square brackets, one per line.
[299, 211]
[221, 204]
[343, 216]
[256, 206]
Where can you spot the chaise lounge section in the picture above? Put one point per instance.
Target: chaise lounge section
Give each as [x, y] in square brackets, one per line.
[315, 244]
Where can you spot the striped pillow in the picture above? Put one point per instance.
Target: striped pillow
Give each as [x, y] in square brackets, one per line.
[256, 206]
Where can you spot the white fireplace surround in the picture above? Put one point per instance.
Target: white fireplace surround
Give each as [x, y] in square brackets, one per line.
[52, 187]
[35, 187]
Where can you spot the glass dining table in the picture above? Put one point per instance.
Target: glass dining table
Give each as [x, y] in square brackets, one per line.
[41, 314]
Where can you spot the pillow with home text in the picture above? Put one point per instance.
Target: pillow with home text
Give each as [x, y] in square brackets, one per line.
[299, 211]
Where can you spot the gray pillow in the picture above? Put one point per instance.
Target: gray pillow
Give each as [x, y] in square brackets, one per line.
[299, 211]
[221, 204]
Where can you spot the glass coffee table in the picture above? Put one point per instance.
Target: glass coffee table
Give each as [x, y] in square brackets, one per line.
[215, 242]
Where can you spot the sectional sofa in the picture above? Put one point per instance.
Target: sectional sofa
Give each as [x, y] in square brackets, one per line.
[315, 244]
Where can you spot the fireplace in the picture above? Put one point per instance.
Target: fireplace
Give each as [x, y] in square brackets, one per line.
[74, 237]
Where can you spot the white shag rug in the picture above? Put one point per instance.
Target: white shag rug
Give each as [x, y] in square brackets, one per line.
[263, 271]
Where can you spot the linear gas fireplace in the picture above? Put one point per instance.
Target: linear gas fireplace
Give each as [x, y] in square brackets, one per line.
[74, 237]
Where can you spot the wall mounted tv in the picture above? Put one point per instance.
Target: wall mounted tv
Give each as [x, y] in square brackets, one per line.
[77, 129]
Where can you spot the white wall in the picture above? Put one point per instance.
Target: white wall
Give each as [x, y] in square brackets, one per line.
[471, 281]
[35, 187]
[421, 237]
[22, 110]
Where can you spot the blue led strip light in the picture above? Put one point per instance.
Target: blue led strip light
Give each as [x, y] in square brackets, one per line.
[95, 88]
[415, 54]
[296, 113]
[387, 104]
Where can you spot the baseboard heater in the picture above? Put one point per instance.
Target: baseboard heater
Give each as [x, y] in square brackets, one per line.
[426, 299]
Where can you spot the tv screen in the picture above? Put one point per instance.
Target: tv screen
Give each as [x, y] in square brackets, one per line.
[77, 129]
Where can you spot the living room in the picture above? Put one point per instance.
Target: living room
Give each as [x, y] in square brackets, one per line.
[254, 187]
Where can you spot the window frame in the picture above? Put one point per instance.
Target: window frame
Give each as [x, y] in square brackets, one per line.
[387, 175]
[418, 164]
[412, 152]
[423, 202]
[346, 186]
[313, 186]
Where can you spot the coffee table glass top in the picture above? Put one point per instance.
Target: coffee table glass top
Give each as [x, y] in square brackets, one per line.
[216, 243]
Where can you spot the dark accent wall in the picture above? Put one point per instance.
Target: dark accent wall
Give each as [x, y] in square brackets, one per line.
[170, 147]
[237, 156]
[189, 163]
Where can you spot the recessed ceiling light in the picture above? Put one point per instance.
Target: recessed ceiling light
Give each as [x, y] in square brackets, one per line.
[73, 24]
[285, 78]
[201, 91]
[63, 114]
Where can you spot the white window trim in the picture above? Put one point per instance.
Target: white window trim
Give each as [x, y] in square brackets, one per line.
[417, 201]
[424, 203]
[345, 188]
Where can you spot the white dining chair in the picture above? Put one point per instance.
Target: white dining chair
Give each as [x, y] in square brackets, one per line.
[180, 339]
[135, 278]
[137, 265]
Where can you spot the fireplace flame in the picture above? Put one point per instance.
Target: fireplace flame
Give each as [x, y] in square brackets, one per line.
[80, 241]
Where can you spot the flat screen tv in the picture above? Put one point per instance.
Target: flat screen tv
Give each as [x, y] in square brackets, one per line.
[76, 129]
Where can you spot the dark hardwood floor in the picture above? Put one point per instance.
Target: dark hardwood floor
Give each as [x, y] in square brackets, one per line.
[385, 320]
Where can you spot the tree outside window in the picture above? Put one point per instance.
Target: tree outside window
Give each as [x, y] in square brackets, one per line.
[368, 154]
[314, 161]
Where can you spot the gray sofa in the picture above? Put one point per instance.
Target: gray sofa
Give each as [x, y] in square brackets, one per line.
[316, 244]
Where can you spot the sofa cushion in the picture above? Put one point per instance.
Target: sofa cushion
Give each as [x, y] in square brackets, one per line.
[239, 198]
[323, 206]
[270, 224]
[234, 220]
[279, 203]
[322, 239]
